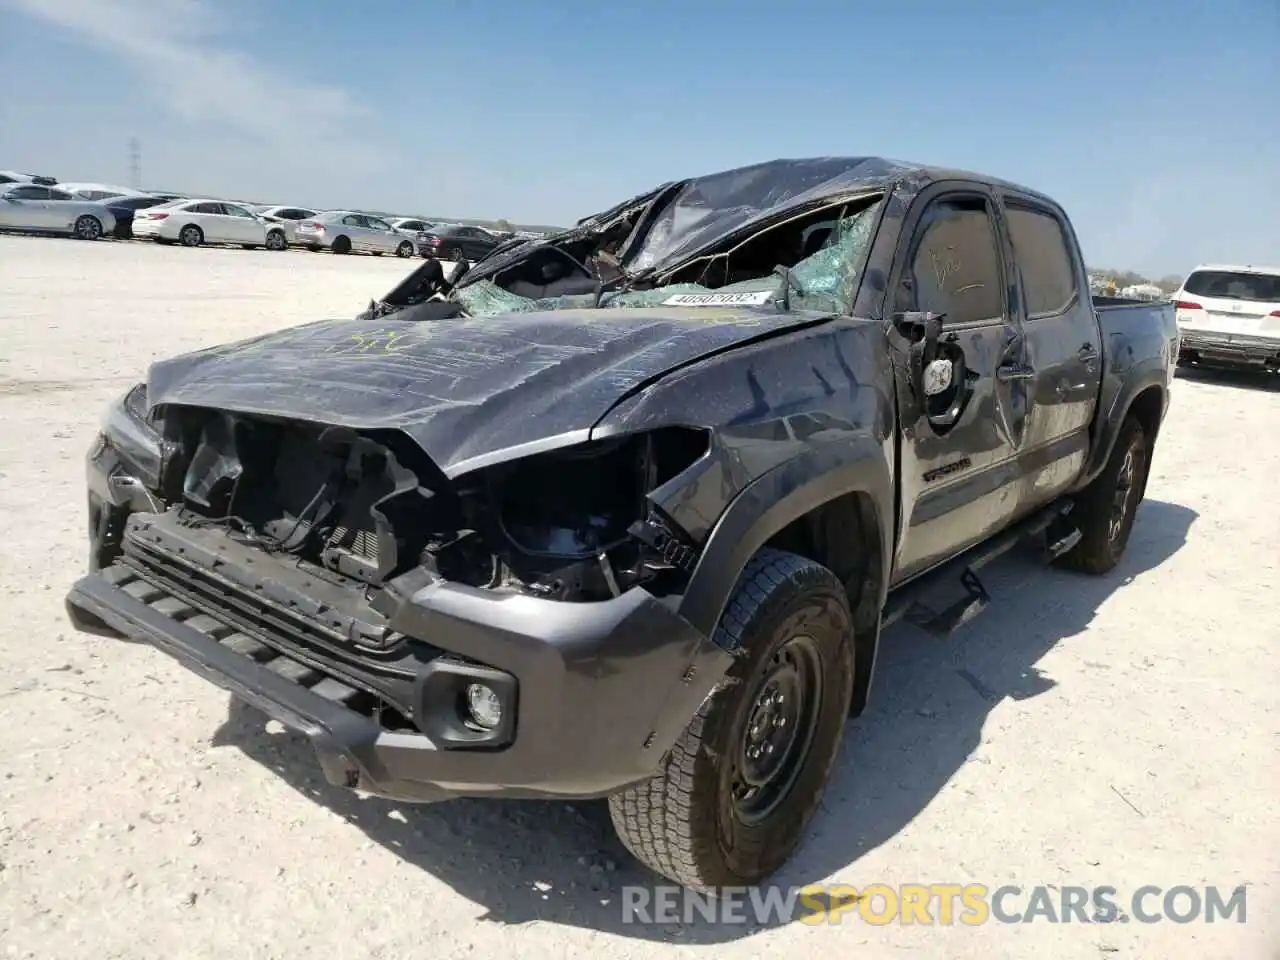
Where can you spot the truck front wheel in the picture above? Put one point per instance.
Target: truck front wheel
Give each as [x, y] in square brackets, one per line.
[739, 788]
[1105, 510]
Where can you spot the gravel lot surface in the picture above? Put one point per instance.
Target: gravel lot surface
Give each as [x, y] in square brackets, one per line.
[1120, 731]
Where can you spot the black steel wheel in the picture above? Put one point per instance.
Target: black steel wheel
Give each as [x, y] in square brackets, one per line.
[779, 730]
[737, 791]
[1104, 512]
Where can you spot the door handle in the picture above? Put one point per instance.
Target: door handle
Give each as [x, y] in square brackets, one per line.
[1088, 352]
[1014, 371]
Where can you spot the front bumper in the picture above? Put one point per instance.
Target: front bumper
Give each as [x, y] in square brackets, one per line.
[1229, 348]
[601, 690]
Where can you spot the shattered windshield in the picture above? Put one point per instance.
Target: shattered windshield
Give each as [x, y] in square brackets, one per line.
[824, 280]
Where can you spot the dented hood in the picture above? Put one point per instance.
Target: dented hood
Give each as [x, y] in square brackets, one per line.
[466, 390]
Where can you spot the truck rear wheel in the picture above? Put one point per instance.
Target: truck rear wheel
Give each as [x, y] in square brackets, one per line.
[740, 786]
[1104, 512]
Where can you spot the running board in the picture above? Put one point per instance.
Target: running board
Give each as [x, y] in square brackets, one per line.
[909, 601]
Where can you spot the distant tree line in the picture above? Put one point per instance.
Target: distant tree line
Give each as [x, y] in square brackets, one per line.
[1128, 278]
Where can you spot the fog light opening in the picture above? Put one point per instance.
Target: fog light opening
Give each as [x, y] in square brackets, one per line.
[483, 708]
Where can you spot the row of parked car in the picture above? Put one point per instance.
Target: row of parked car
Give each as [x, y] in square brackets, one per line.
[92, 211]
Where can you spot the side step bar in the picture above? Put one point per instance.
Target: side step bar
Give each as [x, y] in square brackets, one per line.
[908, 601]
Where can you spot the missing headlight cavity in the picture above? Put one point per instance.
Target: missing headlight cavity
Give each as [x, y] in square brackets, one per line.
[366, 507]
[570, 524]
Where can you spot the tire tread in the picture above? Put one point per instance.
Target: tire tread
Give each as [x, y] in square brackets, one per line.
[666, 822]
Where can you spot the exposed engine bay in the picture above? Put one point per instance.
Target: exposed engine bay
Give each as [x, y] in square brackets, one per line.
[572, 524]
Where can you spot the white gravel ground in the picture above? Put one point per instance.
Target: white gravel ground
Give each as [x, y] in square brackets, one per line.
[1119, 731]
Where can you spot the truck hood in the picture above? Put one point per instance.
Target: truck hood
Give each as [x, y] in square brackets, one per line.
[468, 391]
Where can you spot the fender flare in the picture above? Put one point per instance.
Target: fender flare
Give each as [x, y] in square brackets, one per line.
[1107, 424]
[816, 476]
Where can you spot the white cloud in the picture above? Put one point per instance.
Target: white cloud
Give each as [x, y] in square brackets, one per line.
[176, 46]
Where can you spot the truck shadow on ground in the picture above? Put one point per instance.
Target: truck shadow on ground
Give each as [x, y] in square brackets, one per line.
[560, 863]
[1230, 377]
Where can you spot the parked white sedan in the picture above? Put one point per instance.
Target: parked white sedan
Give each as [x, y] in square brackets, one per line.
[196, 222]
[345, 231]
[286, 217]
[36, 208]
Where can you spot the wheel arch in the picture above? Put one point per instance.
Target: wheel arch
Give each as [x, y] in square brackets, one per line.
[1145, 397]
[833, 505]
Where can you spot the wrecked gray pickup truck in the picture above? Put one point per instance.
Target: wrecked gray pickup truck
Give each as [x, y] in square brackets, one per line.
[621, 512]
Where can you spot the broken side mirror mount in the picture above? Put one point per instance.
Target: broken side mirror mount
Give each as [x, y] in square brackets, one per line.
[937, 371]
[921, 331]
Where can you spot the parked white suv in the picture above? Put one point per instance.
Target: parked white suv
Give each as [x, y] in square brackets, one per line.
[1230, 315]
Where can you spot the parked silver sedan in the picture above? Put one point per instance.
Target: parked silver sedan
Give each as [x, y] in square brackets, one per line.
[345, 231]
[35, 208]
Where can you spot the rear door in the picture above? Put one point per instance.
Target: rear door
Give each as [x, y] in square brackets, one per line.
[1063, 346]
[211, 220]
[959, 449]
[1231, 302]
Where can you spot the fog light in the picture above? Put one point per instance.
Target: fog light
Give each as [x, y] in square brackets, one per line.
[483, 705]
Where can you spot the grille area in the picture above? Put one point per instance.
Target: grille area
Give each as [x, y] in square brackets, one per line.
[245, 591]
[167, 602]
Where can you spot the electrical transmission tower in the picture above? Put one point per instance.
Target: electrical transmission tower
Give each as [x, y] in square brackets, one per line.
[135, 163]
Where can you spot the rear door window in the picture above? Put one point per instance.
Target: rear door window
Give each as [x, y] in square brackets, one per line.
[1044, 260]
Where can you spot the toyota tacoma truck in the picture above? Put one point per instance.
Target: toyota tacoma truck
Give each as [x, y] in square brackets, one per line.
[622, 512]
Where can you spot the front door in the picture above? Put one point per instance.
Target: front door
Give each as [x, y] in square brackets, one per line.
[959, 442]
[243, 225]
[381, 236]
[28, 208]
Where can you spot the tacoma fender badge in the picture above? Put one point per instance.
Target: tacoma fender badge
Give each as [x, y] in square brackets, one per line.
[946, 469]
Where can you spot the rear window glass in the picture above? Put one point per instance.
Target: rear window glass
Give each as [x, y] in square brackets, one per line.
[1234, 285]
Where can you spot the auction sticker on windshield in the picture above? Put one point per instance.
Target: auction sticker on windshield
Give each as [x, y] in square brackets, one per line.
[756, 299]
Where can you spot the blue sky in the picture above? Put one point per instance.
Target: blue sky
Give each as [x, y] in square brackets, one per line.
[1156, 124]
